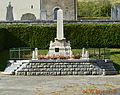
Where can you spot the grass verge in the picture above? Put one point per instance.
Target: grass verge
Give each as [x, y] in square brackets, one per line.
[115, 57]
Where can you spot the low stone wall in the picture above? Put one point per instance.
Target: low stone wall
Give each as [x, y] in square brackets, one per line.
[67, 68]
[49, 22]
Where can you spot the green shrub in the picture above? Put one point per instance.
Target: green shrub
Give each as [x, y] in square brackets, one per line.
[31, 36]
[80, 35]
[93, 35]
[3, 39]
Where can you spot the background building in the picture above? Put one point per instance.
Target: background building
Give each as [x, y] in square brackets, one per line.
[49, 9]
[20, 7]
[38, 9]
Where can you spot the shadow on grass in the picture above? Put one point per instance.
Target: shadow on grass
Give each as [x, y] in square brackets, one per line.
[117, 67]
[112, 53]
[4, 56]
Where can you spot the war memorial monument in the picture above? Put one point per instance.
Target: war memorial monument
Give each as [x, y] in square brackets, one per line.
[59, 71]
[60, 61]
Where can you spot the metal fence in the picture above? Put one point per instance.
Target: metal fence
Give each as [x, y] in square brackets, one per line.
[20, 53]
[99, 53]
[26, 53]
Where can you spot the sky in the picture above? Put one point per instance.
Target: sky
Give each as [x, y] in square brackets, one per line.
[20, 7]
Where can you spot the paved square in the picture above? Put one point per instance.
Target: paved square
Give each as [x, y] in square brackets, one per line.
[59, 85]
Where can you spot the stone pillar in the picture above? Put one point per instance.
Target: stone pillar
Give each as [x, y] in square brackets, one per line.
[51, 44]
[42, 10]
[104, 73]
[113, 13]
[43, 15]
[83, 52]
[75, 5]
[87, 55]
[118, 15]
[36, 53]
[9, 14]
[60, 34]
[33, 54]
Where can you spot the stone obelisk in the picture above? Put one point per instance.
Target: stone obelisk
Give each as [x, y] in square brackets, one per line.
[60, 47]
[60, 33]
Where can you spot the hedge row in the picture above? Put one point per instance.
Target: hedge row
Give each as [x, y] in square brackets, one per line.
[82, 35]
[2, 38]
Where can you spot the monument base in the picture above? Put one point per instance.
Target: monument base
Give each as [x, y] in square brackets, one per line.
[62, 67]
[60, 48]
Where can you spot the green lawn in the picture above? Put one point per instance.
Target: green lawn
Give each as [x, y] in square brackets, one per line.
[115, 57]
[43, 52]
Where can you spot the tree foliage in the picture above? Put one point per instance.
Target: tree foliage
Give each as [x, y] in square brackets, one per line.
[98, 8]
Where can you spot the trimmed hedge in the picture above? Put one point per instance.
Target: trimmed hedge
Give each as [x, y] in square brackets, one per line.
[94, 35]
[3, 39]
[80, 35]
[30, 36]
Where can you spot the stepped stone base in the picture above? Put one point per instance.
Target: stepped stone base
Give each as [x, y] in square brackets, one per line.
[67, 67]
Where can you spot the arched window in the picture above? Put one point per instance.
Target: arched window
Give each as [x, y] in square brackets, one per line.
[28, 16]
[55, 13]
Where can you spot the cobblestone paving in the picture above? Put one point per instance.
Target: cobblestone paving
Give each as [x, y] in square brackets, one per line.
[59, 85]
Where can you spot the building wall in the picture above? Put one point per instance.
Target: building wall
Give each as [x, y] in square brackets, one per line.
[20, 7]
[46, 9]
[68, 7]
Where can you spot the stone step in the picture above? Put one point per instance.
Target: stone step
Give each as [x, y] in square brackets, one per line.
[49, 68]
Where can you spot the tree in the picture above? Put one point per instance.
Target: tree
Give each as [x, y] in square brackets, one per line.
[99, 8]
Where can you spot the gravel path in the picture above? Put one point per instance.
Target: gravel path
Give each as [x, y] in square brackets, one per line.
[59, 85]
